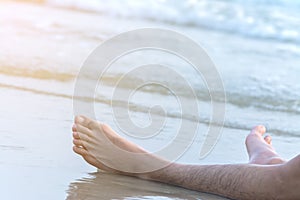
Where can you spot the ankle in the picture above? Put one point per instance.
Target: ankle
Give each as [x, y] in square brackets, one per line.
[160, 174]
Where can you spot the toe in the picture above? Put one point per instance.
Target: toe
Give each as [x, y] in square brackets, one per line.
[76, 135]
[84, 137]
[268, 139]
[83, 130]
[86, 122]
[259, 130]
[80, 151]
[78, 143]
[88, 158]
[74, 128]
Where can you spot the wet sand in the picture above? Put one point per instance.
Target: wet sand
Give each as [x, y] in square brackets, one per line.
[128, 188]
[36, 158]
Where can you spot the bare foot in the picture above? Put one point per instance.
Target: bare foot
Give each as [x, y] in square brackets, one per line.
[103, 148]
[79, 147]
[260, 148]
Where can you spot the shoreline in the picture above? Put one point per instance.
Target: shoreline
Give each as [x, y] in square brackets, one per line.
[39, 60]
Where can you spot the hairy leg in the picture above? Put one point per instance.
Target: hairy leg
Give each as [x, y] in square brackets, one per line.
[244, 181]
[267, 176]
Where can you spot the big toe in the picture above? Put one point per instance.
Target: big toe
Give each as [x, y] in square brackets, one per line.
[259, 130]
[86, 122]
[255, 137]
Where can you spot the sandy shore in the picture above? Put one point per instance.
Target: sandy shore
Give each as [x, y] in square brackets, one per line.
[40, 46]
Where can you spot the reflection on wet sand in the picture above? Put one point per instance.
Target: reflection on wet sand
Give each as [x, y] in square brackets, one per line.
[107, 186]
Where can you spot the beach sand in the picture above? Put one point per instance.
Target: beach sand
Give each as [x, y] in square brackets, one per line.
[42, 49]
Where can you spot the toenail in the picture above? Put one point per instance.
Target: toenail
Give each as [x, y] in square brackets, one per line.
[268, 137]
[261, 128]
[80, 119]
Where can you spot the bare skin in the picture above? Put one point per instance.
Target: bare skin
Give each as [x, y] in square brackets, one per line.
[266, 176]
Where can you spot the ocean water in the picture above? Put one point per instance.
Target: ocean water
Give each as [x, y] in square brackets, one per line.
[254, 45]
[277, 20]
